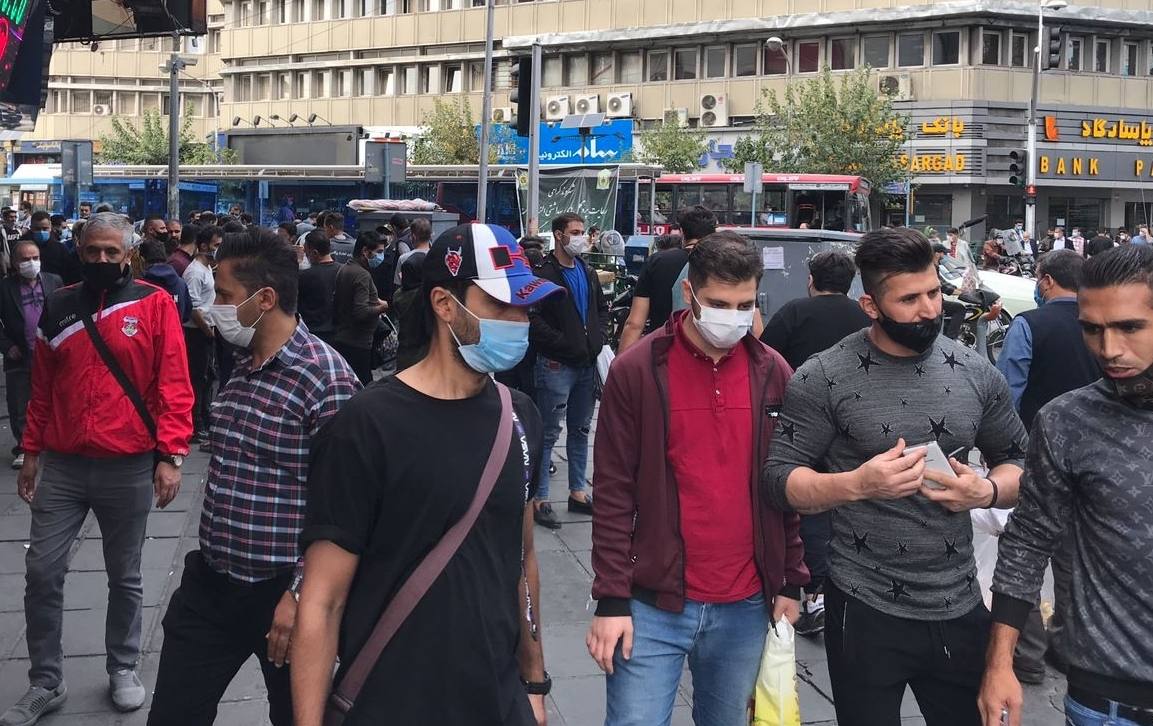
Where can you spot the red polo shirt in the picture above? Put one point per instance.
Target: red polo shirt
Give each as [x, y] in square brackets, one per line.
[710, 448]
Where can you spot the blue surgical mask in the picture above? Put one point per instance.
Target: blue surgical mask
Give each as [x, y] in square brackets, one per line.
[1037, 296]
[502, 344]
[41, 235]
[376, 260]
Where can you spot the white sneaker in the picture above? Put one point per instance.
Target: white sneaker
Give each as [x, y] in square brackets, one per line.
[127, 691]
[35, 702]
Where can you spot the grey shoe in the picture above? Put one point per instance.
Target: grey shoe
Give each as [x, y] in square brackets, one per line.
[127, 691]
[35, 702]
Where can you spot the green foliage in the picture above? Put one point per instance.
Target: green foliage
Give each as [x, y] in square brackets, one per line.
[148, 144]
[676, 149]
[448, 135]
[825, 127]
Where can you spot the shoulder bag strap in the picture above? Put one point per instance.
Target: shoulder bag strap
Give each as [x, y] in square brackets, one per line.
[418, 583]
[118, 373]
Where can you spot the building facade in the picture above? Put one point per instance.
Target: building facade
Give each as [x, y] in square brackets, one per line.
[961, 70]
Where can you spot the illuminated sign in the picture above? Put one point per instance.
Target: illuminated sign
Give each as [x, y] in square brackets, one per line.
[1101, 128]
[1051, 131]
[13, 17]
[1075, 165]
[943, 125]
[933, 163]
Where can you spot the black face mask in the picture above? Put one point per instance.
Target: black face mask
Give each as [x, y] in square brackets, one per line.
[918, 336]
[1136, 391]
[102, 276]
[164, 237]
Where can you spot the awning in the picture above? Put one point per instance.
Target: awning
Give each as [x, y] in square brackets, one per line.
[33, 177]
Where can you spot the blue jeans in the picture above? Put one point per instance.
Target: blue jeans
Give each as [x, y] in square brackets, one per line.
[723, 644]
[564, 392]
[1078, 715]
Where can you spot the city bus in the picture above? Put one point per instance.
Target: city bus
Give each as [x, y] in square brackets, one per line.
[820, 201]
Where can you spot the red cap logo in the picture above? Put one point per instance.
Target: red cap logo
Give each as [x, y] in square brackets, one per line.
[453, 260]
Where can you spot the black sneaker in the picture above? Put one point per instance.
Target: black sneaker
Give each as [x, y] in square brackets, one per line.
[810, 623]
[545, 516]
[576, 506]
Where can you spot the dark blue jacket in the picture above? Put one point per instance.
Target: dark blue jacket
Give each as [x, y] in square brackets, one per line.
[164, 276]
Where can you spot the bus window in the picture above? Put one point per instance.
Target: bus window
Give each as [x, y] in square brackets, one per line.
[836, 213]
[689, 195]
[770, 205]
[860, 220]
[715, 197]
[665, 212]
[644, 203]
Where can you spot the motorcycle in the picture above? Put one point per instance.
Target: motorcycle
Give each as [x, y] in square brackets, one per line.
[984, 322]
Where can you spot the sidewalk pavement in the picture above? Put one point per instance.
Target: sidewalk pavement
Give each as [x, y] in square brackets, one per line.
[566, 573]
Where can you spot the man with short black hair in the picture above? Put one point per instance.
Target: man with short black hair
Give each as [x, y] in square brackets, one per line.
[317, 285]
[657, 286]
[185, 250]
[54, 256]
[902, 603]
[412, 341]
[85, 210]
[156, 228]
[356, 305]
[567, 335]
[689, 558]
[800, 329]
[342, 244]
[199, 336]
[161, 274]
[175, 230]
[396, 468]
[1087, 474]
[237, 595]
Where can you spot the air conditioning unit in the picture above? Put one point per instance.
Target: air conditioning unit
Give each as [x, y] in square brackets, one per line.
[557, 107]
[588, 104]
[620, 105]
[679, 115]
[897, 86]
[99, 109]
[714, 109]
[503, 115]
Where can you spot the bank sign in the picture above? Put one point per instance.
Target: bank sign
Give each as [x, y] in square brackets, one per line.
[1089, 146]
[609, 143]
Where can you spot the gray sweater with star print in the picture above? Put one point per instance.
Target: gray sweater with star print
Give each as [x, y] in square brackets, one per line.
[910, 557]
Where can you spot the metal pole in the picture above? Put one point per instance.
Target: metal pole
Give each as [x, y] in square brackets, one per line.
[1031, 138]
[908, 201]
[485, 116]
[753, 214]
[534, 139]
[174, 65]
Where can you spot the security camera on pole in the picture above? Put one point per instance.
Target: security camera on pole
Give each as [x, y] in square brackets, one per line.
[1050, 48]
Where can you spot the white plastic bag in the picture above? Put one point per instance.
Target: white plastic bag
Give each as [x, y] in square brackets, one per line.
[988, 524]
[776, 702]
[604, 360]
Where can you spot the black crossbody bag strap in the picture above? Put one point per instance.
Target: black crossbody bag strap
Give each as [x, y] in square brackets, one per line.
[119, 374]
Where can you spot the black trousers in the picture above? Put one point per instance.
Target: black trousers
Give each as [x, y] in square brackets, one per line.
[199, 347]
[18, 382]
[358, 359]
[213, 625]
[874, 656]
[816, 531]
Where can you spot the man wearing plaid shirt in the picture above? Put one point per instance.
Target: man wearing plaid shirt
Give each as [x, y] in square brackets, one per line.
[237, 597]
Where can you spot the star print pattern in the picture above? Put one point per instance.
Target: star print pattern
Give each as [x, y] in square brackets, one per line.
[906, 556]
[788, 428]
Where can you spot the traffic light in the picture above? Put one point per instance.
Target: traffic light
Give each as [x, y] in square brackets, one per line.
[1052, 48]
[520, 80]
[1018, 167]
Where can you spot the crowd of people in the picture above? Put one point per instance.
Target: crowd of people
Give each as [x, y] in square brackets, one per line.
[1018, 241]
[370, 538]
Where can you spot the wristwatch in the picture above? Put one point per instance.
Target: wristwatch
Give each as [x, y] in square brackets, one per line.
[538, 688]
[173, 459]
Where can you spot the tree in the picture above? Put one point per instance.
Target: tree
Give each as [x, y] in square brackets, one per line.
[676, 149]
[449, 135]
[148, 144]
[823, 127]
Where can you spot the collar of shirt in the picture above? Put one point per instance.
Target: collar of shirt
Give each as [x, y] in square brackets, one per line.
[289, 353]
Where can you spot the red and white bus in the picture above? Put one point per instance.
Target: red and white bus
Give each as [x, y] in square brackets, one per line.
[821, 201]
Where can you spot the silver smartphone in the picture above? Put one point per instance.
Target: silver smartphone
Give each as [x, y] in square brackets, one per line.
[935, 460]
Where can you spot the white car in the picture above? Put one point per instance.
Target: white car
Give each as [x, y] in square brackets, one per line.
[1016, 292]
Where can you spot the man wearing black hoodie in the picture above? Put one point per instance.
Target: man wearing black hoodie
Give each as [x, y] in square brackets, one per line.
[567, 336]
[161, 274]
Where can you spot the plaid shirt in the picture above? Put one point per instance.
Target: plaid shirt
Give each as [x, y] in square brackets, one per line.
[262, 426]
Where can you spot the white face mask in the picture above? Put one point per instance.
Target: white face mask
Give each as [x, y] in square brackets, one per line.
[29, 269]
[224, 318]
[723, 329]
[577, 245]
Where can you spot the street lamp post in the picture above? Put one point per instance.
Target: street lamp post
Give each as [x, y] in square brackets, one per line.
[1031, 137]
[485, 117]
[174, 65]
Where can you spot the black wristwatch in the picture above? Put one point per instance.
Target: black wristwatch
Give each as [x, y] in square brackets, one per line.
[538, 688]
[172, 459]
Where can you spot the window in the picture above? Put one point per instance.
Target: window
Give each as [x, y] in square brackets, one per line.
[242, 87]
[453, 79]
[658, 65]
[429, 79]
[193, 104]
[552, 76]
[990, 48]
[1074, 53]
[298, 11]
[386, 7]
[1101, 56]
[809, 56]
[1020, 57]
[244, 14]
[149, 44]
[576, 70]
[386, 81]
[409, 87]
[263, 87]
[745, 60]
[911, 49]
[715, 57]
[602, 70]
[320, 86]
[1129, 59]
[843, 54]
[776, 60]
[164, 104]
[300, 84]
[342, 83]
[341, 8]
[283, 86]
[260, 16]
[151, 102]
[125, 103]
[630, 68]
[947, 48]
[875, 49]
[684, 64]
[317, 10]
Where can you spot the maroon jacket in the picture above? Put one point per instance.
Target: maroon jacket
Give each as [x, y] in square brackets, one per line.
[637, 546]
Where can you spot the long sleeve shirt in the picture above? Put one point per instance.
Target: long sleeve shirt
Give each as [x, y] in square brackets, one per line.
[1016, 358]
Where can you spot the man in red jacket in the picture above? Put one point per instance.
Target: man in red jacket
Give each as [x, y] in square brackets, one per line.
[92, 449]
[688, 560]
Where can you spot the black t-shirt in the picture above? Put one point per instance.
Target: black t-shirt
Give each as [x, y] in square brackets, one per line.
[317, 284]
[391, 472]
[806, 326]
[656, 282]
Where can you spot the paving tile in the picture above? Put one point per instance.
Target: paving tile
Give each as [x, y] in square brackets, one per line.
[89, 590]
[157, 554]
[564, 588]
[577, 536]
[566, 655]
[14, 527]
[84, 633]
[12, 557]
